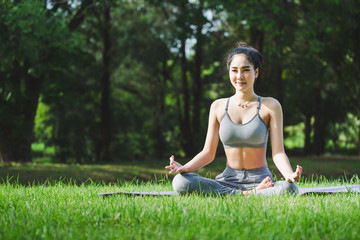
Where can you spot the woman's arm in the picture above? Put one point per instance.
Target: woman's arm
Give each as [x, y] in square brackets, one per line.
[207, 155]
[276, 136]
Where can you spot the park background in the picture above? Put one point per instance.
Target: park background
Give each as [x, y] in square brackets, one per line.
[131, 82]
[95, 95]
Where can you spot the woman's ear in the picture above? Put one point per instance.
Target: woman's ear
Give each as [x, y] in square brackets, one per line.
[256, 72]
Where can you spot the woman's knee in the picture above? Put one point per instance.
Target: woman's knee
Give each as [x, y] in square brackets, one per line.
[288, 187]
[182, 182]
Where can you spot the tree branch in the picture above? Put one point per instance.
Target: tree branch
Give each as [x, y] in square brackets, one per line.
[79, 15]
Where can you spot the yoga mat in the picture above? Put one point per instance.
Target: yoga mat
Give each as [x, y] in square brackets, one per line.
[302, 191]
[165, 193]
[330, 190]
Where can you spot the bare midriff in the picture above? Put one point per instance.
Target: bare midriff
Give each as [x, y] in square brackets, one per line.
[246, 158]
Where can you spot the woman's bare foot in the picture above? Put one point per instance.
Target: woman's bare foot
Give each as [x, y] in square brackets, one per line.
[266, 183]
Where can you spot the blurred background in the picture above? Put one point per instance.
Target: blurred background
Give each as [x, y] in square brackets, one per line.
[116, 80]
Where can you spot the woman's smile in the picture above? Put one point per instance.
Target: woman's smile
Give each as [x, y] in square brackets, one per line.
[240, 83]
[242, 73]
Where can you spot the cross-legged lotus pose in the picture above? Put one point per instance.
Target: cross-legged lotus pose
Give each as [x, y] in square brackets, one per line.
[242, 122]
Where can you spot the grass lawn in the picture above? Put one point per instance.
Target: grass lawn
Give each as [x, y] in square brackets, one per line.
[68, 211]
[333, 167]
[34, 208]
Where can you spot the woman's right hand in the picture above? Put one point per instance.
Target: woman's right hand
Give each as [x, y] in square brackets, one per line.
[296, 175]
[175, 166]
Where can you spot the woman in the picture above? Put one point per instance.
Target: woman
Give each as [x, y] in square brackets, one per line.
[242, 122]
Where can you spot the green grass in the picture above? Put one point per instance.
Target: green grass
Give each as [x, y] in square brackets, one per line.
[331, 167]
[73, 211]
[60, 201]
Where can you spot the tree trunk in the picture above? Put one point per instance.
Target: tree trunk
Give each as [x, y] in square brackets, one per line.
[159, 139]
[279, 82]
[103, 153]
[159, 97]
[319, 125]
[356, 100]
[33, 86]
[185, 126]
[257, 41]
[257, 38]
[15, 144]
[359, 142]
[307, 131]
[158, 118]
[197, 88]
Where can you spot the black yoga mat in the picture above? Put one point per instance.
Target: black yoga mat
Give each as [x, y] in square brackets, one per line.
[302, 191]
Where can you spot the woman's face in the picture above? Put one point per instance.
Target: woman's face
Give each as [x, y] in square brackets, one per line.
[242, 73]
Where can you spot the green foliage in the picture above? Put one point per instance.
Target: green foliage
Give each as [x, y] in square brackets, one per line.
[31, 36]
[43, 149]
[42, 129]
[53, 63]
[294, 136]
[343, 135]
[35, 50]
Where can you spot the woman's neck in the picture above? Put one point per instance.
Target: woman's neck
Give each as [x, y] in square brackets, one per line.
[245, 96]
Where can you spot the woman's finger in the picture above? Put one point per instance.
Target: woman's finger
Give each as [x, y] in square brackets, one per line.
[290, 179]
[300, 169]
[172, 161]
[173, 169]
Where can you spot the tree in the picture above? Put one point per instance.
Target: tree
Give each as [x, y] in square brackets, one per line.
[32, 42]
[345, 58]
[320, 33]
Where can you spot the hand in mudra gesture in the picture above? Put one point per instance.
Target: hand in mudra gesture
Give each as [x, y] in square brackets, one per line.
[296, 175]
[175, 166]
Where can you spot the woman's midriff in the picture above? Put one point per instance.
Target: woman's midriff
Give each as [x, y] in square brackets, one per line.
[246, 158]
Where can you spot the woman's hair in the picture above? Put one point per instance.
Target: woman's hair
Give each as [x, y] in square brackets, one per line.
[252, 55]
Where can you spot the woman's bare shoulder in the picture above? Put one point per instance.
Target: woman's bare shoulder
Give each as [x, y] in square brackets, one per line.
[218, 108]
[270, 103]
[219, 103]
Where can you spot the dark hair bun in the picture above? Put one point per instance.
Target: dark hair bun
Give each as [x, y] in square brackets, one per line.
[242, 44]
[252, 55]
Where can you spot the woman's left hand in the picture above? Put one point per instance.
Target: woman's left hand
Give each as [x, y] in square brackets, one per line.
[296, 175]
[175, 166]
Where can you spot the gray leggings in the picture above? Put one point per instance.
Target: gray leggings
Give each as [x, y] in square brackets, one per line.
[231, 182]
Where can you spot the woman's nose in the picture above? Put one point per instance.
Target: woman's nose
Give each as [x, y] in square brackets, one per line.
[239, 75]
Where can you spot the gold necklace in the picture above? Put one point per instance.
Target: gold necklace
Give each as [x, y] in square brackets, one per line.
[242, 105]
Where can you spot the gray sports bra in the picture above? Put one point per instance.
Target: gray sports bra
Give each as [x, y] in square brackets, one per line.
[253, 134]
